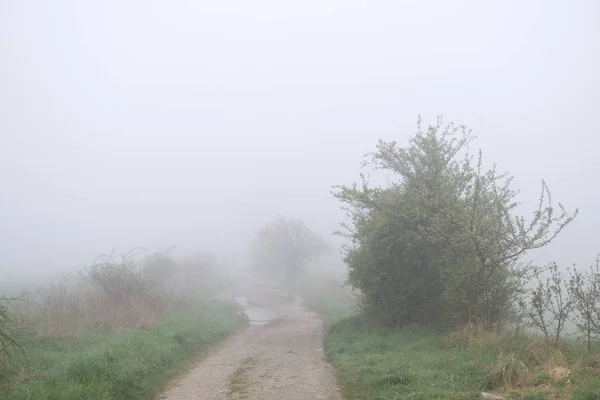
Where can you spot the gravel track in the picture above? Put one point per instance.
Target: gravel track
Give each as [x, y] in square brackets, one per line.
[280, 360]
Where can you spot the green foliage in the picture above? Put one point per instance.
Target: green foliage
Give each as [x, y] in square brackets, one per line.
[441, 243]
[284, 246]
[106, 365]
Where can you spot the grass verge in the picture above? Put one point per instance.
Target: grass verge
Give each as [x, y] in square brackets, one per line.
[379, 363]
[108, 365]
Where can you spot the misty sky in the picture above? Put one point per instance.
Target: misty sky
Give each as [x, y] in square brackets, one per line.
[159, 123]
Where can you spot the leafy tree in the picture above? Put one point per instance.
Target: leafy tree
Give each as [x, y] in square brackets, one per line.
[284, 246]
[441, 241]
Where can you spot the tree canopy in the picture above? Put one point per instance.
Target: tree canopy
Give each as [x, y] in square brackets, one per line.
[442, 242]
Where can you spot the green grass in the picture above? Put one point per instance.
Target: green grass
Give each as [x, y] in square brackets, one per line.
[378, 363]
[417, 363]
[107, 365]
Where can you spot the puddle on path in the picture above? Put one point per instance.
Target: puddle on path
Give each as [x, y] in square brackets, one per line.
[256, 315]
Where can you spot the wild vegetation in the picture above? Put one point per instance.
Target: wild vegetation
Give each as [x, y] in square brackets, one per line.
[441, 243]
[375, 361]
[439, 301]
[436, 261]
[119, 329]
[445, 298]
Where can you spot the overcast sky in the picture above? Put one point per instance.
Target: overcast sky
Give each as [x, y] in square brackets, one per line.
[159, 123]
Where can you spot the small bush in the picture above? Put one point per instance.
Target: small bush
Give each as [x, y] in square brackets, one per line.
[121, 280]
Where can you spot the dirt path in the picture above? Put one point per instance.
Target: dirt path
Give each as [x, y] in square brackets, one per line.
[280, 360]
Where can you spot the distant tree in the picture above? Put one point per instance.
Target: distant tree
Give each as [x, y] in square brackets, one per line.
[441, 242]
[159, 267]
[199, 269]
[284, 246]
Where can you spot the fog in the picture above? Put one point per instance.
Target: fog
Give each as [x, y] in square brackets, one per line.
[147, 123]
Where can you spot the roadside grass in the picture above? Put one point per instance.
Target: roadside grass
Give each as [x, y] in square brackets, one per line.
[378, 363]
[106, 364]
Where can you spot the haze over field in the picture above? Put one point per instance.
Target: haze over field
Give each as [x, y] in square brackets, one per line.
[147, 123]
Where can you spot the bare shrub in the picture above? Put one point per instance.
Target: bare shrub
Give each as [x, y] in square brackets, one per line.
[584, 288]
[8, 342]
[131, 292]
[121, 280]
[551, 304]
[115, 293]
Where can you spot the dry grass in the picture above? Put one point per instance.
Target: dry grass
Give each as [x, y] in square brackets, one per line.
[68, 308]
[508, 372]
[544, 353]
[525, 363]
